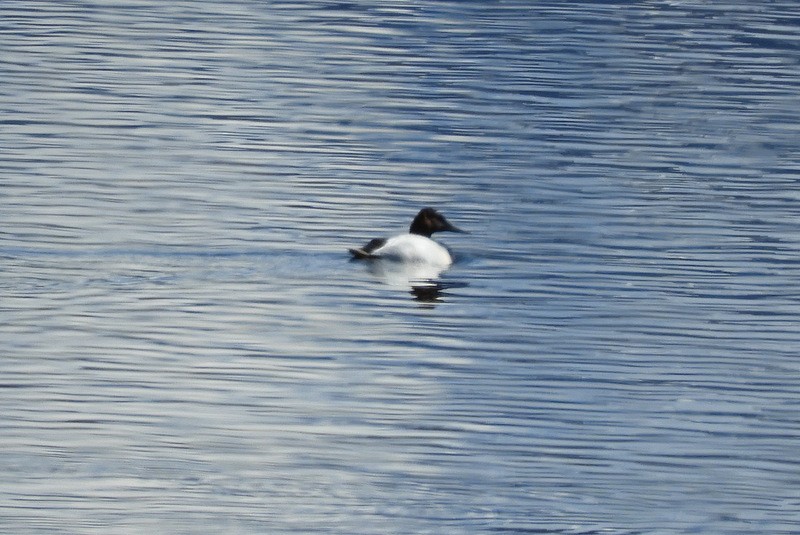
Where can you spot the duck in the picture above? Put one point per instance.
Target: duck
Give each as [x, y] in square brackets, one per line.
[415, 247]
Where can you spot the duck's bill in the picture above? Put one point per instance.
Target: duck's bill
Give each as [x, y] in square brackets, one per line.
[453, 228]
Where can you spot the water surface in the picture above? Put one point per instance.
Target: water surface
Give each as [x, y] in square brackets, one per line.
[185, 347]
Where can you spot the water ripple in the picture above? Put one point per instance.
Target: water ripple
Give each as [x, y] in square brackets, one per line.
[186, 346]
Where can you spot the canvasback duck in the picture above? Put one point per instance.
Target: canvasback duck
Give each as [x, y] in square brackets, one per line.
[416, 247]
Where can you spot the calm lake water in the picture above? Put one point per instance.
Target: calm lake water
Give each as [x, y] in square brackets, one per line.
[186, 348]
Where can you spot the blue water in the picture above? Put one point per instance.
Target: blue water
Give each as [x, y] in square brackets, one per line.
[186, 348]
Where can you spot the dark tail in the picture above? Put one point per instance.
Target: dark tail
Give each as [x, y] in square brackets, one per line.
[365, 253]
[360, 254]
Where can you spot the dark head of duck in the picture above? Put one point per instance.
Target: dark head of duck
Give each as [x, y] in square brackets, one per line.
[429, 221]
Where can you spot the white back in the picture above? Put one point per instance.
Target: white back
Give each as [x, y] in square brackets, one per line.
[414, 248]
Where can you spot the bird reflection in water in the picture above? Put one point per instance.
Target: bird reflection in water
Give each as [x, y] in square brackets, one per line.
[422, 280]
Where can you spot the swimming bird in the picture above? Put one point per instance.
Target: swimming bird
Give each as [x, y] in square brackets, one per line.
[416, 247]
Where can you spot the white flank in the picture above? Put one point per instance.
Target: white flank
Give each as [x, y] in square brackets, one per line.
[413, 248]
